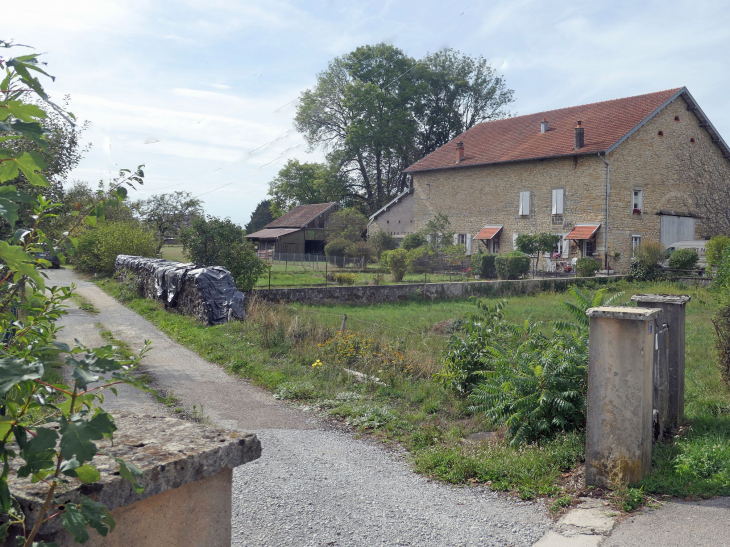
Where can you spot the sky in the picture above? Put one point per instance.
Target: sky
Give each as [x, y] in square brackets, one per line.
[204, 93]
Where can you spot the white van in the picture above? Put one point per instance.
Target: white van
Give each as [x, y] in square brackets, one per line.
[697, 245]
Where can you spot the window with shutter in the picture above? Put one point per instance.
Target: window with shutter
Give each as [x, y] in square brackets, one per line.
[524, 203]
[637, 201]
[558, 201]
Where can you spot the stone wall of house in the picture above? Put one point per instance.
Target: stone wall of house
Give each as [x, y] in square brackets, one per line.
[368, 294]
[473, 197]
[397, 220]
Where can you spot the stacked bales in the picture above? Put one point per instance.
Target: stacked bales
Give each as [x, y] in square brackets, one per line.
[208, 294]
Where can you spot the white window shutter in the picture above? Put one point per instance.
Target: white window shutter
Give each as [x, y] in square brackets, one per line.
[428, 239]
[560, 202]
[527, 203]
[514, 241]
[456, 239]
[566, 246]
[555, 202]
[468, 244]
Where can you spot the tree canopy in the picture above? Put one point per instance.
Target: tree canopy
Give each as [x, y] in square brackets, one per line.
[167, 214]
[305, 183]
[260, 217]
[375, 111]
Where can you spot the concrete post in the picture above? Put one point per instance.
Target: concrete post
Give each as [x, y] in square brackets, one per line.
[620, 389]
[673, 314]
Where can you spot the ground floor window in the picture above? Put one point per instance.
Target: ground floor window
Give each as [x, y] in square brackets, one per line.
[635, 243]
[588, 247]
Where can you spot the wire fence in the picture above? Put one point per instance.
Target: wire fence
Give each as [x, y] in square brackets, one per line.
[313, 261]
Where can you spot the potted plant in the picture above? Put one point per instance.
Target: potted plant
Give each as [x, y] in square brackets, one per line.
[637, 211]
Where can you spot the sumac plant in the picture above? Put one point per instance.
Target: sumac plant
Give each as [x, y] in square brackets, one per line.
[48, 431]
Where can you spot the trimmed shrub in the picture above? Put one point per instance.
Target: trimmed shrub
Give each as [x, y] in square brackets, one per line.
[98, 247]
[683, 259]
[360, 249]
[337, 247]
[384, 257]
[345, 278]
[482, 264]
[715, 249]
[587, 267]
[420, 260]
[413, 241]
[645, 263]
[397, 263]
[511, 265]
[382, 241]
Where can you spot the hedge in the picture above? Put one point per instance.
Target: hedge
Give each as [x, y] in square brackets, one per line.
[483, 265]
[511, 267]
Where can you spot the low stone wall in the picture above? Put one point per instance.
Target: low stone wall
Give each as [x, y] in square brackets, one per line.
[430, 291]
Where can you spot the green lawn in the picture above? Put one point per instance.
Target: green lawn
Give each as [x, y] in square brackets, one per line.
[402, 344]
[173, 252]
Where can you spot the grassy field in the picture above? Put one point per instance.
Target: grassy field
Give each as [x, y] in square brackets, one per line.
[294, 350]
[173, 252]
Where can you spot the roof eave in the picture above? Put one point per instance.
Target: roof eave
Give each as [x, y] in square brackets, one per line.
[391, 202]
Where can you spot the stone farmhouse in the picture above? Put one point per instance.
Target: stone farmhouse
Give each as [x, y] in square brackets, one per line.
[395, 218]
[604, 176]
[301, 230]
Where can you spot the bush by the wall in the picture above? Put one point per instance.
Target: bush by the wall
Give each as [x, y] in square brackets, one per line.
[512, 265]
[337, 247]
[360, 249]
[587, 266]
[345, 278]
[683, 259]
[420, 260]
[722, 277]
[413, 241]
[397, 263]
[382, 241]
[645, 262]
[482, 264]
[715, 248]
[98, 247]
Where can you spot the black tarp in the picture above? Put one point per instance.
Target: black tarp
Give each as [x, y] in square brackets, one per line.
[221, 298]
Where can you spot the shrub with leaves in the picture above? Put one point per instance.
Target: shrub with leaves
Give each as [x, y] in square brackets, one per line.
[587, 266]
[382, 241]
[715, 249]
[585, 301]
[512, 265]
[398, 263]
[482, 264]
[683, 259]
[645, 262]
[337, 247]
[98, 247]
[413, 241]
[345, 278]
[420, 260]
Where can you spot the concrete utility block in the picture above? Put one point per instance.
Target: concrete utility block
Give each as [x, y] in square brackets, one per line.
[673, 314]
[620, 391]
[187, 479]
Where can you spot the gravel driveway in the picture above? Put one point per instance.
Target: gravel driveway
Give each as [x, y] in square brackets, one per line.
[313, 485]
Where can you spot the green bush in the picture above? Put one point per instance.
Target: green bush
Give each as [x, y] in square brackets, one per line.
[420, 260]
[722, 277]
[98, 247]
[715, 249]
[345, 278]
[683, 259]
[337, 247]
[384, 257]
[382, 241]
[645, 262]
[397, 263]
[413, 241]
[360, 249]
[482, 264]
[587, 266]
[511, 265]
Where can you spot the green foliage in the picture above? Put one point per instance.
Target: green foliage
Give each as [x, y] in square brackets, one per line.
[337, 247]
[349, 224]
[721, 322]
[398, 263]
[722, 276]
[420, 260]
[167, 214]
[438, 232]
[683, 259]
[715, 249]
[214, 242]
[413, 241]
[509, 266]
[305, 183]
[585, 300]
[98, 247]
[260, 217]
[587, 266]
[645, 262]
[360, 249]
[345, 278]
[383, 241]
[483, 264]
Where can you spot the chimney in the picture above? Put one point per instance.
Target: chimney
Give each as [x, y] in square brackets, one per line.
[459, 151]
[579, 136]
[543, 125]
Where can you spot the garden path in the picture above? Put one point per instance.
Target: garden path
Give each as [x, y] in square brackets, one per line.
[312, 485]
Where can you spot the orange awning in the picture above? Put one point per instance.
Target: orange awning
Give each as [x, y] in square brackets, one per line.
[583, 231]
[488, 232]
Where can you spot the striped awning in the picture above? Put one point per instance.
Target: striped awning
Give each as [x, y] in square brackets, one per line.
[488, 232]
[583, 231]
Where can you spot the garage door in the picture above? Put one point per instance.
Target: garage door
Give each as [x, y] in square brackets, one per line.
[675, 229]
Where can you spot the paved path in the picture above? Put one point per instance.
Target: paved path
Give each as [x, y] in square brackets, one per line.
[312, 485]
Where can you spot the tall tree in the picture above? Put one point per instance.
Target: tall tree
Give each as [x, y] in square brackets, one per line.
[169, 213]
[305, 183]
[260, 217]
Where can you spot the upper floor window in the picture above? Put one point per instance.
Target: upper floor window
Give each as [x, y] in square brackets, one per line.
[524, 203]
[558, 201]
[637, 201]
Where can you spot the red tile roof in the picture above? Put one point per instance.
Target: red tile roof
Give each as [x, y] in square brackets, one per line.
[272, 233]
[300, 216]
[488, 232]
[519, 138]
[583, 231]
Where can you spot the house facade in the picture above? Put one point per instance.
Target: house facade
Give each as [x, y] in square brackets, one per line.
[301, 231]
[606, 177]
[395, 218]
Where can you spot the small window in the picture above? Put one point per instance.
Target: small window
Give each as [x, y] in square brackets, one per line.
[637, 201]
[461, 239]
[558, 201]
[524, 203]
[635, 243]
